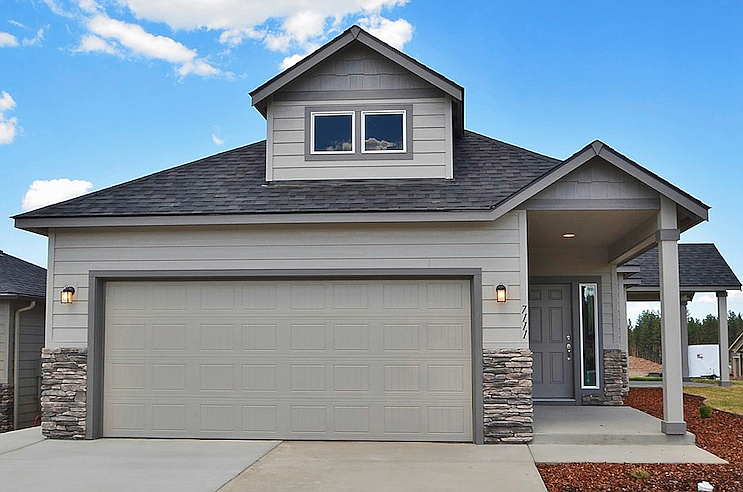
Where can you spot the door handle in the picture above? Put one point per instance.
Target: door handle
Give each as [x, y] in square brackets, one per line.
[569, 348]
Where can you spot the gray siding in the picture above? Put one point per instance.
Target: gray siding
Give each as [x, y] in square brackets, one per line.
[597, 180]
[359, 77]
[5, 344]
[498, 248]
[32, 341]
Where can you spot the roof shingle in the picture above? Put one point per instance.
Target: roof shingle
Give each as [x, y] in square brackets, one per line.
[486, 172]
[21, 278]
[700, 266]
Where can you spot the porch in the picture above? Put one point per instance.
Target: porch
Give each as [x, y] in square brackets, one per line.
[566, 434]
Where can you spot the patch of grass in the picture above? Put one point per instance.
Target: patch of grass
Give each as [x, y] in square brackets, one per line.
[639, 473]
[705, 411]
[729, 399]
[644, 378]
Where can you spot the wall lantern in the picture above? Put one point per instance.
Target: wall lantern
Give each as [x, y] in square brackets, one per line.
[500, 293]
[66, 295]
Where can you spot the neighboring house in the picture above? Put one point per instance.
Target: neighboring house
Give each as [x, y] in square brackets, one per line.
[736, 357]
[370, 271]
[22, 304]
[701, 269]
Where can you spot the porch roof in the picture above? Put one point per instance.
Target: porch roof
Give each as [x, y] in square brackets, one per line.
[701, 269]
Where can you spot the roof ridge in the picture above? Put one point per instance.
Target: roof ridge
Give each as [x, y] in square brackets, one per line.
[135, 180]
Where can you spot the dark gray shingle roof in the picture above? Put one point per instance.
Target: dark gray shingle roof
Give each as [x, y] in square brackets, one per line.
[700, 265]
[21, 278]
[486, 172]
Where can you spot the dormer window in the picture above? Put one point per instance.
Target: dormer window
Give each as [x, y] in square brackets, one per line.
[366, 132]
[383, 132]
[333, 132]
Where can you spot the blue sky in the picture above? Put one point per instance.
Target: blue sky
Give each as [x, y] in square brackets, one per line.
[109, 91]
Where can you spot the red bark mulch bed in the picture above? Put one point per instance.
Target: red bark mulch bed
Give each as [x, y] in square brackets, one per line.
[721, 434]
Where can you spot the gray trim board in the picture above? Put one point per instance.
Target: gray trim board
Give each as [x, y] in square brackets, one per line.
[96, 319]
[358, 155]
[340, 95]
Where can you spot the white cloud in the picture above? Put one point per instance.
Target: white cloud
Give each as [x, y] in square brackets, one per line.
[36, 40]
[8, 126]
[635, 309]
[285, 25]
[291, 60]
[395, 33]
[217, 140]
[45, 192]
[54, 7]
[16, 23]
[7, 40]
[93, 44]
[89, 6]
[142, 43]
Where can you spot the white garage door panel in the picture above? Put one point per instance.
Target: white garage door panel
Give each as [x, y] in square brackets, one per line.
[387, 360]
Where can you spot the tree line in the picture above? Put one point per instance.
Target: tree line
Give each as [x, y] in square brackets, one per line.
[644, 335]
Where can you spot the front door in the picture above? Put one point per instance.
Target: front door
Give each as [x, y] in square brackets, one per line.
[552, 341]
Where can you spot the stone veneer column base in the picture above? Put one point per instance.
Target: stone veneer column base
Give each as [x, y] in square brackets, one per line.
[507, 395]
[616, 380]
[63, 392]
[6, 407]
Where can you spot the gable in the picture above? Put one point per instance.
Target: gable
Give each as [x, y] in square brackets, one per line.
[594, 181]
[356, 67]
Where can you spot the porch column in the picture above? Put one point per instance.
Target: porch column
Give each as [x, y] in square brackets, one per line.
[722, 316]
[670, 300]
[684, 340]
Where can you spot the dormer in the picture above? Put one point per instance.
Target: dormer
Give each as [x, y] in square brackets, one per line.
[358, 108]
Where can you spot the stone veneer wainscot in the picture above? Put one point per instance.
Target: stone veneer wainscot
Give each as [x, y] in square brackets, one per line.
[6, 407]
[63, 392]
[507, 395]
[616, 380]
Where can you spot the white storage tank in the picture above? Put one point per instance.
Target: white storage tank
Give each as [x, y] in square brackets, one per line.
[704, 361]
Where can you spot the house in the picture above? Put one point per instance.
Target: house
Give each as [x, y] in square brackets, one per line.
[22, 306]
[371, 271]
[736, 357]
[702, 268]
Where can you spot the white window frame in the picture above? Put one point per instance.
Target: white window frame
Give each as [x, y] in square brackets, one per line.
[332, 113]
[402, 112]
[596, 335]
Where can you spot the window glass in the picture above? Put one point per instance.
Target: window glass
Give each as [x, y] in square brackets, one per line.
[589, 335]
[384, 132]
[333, 133]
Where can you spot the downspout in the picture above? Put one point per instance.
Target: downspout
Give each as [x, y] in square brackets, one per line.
[16, 359]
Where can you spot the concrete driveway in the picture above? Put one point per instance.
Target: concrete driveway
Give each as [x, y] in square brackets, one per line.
[30, 463]
[377, 466]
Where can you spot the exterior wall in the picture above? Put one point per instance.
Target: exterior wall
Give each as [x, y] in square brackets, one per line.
[507, 396]
[64, 389]
[596, 180]
[358, 77]
[32, 341]
[498, 248]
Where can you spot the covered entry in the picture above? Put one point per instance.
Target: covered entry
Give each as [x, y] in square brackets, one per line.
[288, 359]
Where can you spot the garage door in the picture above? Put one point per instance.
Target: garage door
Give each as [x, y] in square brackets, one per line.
[377, 360]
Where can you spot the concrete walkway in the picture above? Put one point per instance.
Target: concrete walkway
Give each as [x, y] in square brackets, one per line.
[377, 466]
[30, 463]
[568, 434]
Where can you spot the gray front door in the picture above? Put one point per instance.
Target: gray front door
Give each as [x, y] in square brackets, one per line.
[551, 340]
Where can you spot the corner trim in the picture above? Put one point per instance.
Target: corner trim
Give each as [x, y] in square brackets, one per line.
[673, 428]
